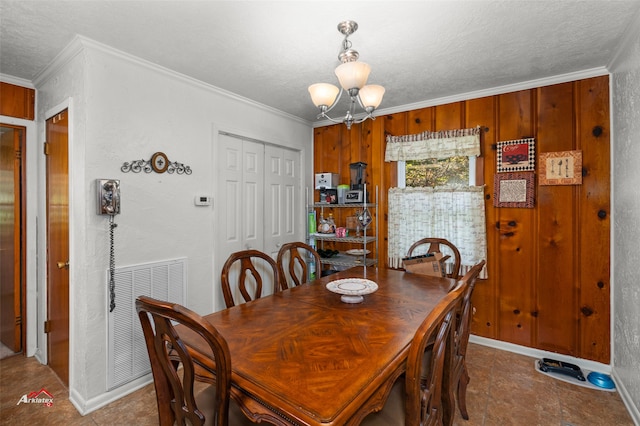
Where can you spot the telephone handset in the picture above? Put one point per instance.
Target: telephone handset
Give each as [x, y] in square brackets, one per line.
[108, 191]
[108, 196]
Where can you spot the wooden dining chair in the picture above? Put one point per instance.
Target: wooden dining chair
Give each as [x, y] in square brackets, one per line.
[178, 399]
[416, 398]
[250, 280]
[456, 373]
[294, 263]
[436, 245]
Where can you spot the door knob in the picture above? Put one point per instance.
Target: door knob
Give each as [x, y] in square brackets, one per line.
[63, 265]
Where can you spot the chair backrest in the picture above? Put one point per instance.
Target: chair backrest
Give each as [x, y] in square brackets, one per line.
[246, 259]
[174, 388]
[435, 246]
[465, 315]
[293, 263]
[423, 404]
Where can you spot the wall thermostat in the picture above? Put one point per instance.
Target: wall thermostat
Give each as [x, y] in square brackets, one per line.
[203, 200]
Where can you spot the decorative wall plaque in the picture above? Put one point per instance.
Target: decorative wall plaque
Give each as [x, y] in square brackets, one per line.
[560, 168]
[516, 156]
[514, 190]
[158, 163]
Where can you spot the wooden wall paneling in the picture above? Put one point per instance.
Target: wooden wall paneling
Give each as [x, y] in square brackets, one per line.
[373, 139]
[594, 303]
[327, 156]
[326, 153]
[481, 112]
[353, 148]
[516, 251]
[515, 108]
[349, 151]
[395, 124]
[318, 143]
[529, 259]
[420, 120]
[449, 116]
[557, 286]
[352, 151]
[17, 101]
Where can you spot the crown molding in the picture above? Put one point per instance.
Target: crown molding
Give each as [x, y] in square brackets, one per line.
[80, 43]
[16, 81]
[509, 88]
[66, 55]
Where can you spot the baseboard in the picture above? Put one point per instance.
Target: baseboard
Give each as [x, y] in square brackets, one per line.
[85, 407]
[626, 398]
[537, 353]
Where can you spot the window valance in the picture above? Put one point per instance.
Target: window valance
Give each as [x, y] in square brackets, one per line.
[444, 144]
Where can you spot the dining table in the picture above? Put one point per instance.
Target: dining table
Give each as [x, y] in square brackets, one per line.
[303, 356]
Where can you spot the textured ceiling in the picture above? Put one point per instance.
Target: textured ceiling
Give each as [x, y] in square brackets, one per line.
[271, 51]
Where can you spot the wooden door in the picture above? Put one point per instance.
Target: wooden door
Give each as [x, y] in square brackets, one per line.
[57, 173]
[11, 237]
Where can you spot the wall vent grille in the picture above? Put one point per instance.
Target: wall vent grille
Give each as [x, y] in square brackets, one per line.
[128, 358]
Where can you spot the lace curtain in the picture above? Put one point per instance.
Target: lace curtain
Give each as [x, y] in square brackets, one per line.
[454, 213]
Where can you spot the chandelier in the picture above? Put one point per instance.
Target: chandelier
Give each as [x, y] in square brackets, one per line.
[352, 76]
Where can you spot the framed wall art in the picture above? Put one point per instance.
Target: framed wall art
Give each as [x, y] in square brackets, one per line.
[516, 156]
[514, 190]
[560, 168]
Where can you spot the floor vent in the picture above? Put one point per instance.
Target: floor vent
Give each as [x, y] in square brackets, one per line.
[128, 359]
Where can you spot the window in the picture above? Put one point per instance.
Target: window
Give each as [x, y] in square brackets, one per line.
[437, 197]
[453, 171]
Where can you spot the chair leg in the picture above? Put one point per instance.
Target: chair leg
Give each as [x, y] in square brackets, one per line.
[462, 392]
[448, 400]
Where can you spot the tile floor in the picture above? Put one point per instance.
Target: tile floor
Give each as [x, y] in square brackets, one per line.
[504, 390]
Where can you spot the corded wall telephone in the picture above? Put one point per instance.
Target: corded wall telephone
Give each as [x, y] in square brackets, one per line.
[108, 196]
[108, 191]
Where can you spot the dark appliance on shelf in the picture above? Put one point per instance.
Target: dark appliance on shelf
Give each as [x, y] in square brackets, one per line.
[356, 194]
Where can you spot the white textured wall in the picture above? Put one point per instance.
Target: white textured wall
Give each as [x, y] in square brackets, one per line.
[626, 214]
[123, 110]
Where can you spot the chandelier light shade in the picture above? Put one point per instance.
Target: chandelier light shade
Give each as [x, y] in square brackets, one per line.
[323, 94]
[371, 95]
[352, 76]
